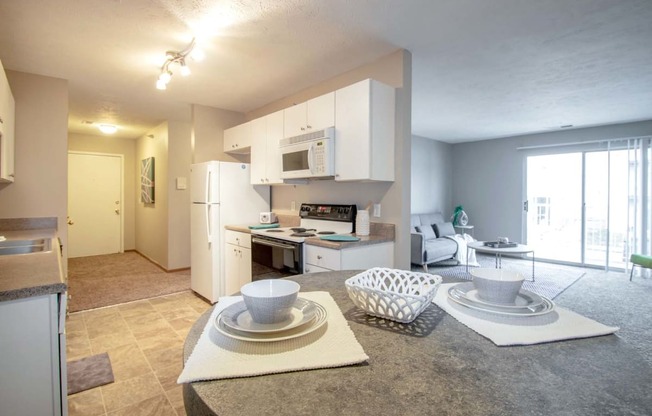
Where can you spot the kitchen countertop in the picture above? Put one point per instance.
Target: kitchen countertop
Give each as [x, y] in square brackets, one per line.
[436, 365]
[34, 274]
[380, 233]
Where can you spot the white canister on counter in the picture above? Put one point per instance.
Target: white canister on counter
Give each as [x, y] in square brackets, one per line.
[362, 222]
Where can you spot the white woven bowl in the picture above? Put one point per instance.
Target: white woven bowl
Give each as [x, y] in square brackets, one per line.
[397, 295]
[270, 301]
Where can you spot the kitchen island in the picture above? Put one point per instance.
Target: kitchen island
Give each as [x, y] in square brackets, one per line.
[436, 365]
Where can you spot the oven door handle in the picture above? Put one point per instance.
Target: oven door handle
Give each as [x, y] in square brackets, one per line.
[271, 243]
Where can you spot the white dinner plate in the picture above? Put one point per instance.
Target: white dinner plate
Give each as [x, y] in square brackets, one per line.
[237, 317]
[321, 317]
[541, 309]
[524, 299]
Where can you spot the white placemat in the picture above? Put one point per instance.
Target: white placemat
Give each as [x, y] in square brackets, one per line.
[560, 324]
[217, 356]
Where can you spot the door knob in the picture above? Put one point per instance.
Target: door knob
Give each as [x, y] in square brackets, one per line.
[70, 222]
[117, 212]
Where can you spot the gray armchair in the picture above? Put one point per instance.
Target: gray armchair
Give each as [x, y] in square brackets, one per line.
[427, 244]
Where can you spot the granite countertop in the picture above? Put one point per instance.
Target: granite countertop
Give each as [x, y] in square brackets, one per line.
[34, 274]
[435, 365]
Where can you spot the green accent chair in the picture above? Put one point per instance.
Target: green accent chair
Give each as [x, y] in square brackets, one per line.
[640, 260]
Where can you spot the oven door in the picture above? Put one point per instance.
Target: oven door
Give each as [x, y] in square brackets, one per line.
[272, 258]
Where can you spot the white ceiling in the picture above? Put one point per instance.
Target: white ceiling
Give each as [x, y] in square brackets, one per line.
[481, 68]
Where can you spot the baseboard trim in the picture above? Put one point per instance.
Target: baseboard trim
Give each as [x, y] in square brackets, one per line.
[157, 264]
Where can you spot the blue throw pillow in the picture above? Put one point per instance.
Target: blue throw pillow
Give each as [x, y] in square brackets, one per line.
[444, 228]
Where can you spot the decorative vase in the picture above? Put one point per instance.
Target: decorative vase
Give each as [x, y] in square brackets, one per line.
[462, 218]
[362, 222]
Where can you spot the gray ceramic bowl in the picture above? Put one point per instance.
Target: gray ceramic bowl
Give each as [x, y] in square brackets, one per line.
[270, 301]
[497, 285]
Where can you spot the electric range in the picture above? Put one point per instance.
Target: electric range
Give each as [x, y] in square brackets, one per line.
[278, 252]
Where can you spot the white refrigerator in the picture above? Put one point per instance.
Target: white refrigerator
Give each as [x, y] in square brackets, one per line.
[221, 194]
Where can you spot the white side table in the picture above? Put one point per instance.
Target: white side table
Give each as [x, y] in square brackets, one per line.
[465, 228]
[480, 247]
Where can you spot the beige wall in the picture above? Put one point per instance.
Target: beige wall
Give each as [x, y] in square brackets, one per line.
[152, 219]
[126, 148]
[41, 155]
[395, 70]
[208, 125]
[179, 159]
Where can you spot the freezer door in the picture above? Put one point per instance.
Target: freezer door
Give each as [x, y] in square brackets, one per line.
[204, 182]
[205, 254]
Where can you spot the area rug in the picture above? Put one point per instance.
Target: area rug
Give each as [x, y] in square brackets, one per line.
[89, 372]
[98, 281]
[550, 280]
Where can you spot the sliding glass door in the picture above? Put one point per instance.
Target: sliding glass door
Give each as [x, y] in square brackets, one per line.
[590, 207]
[554, 198]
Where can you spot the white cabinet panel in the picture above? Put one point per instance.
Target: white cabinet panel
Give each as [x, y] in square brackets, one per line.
[237, 260]
[30, 357]
[315, 114]
[265, 156]
[364, 132]
[238, 139]
[320, 259]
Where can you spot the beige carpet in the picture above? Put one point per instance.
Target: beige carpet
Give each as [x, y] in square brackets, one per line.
[98, 281]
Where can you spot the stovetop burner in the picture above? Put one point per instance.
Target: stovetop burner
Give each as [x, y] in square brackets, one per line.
[302, 234]
[274, 231]
[301, 229]
[326, 232]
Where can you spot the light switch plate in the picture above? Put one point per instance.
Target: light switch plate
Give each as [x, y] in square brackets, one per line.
[182, 183]
[376, 212]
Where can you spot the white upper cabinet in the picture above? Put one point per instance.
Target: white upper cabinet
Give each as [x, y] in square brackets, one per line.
[238, 139]
[265, 157]
[364, 132]
[7, 113]
[315, 114]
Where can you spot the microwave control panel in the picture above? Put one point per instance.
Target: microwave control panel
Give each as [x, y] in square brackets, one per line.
[319, 153]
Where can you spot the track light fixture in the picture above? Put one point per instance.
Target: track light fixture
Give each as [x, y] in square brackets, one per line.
[178, 58]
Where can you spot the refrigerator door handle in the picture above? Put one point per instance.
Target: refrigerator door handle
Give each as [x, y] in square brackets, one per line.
[207, 195]
[208, 223]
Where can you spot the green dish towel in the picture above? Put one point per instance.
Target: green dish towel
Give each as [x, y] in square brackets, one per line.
[339, 237]
[263, 226]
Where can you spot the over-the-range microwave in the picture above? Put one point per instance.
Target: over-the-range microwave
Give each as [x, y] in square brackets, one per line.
[309, 155]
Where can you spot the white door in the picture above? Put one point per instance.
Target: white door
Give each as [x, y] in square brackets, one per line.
[94, 204]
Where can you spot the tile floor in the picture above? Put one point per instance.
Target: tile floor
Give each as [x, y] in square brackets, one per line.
[144, 340]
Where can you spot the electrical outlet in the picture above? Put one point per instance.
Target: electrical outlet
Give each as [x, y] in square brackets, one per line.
[376, 210]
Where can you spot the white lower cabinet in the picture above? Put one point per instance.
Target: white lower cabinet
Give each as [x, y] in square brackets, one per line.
[33, 356]
[237, 260]
[322, 259]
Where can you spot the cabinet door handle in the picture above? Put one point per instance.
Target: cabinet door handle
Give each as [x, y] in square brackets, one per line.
[319, 257]
[309, 126]
[303, 128]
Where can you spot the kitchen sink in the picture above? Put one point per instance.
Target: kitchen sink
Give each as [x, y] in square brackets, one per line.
[38, 245]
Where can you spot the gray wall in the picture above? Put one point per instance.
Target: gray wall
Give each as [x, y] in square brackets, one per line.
[432, 176]
[488, 176]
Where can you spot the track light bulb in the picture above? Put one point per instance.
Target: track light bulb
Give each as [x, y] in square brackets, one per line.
[197, 54]
[161, 85]
[165, 76]
[185, 71]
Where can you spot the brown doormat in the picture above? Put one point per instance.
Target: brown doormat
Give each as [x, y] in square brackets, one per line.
[89, 372]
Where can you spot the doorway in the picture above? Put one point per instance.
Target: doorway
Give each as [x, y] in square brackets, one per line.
[95, 195]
